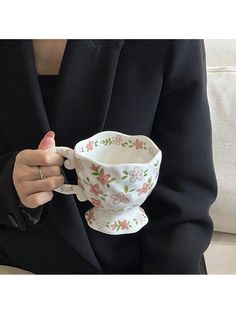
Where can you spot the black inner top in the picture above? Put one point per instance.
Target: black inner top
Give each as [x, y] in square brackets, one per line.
[47, 84]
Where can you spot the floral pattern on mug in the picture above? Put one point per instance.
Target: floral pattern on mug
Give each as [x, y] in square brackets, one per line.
[94, 168]
[101, 176]
[68, 188]
[113, 210]
[156, 172]
[96, 203]
[94, 188]
[120, 198]
[101, 224]
[78, 164]
[79, 183]
[136, 174]
[117, 139]
[89, 146]
[90, 216]
[144, 189]
[138, 144]
[141, 218]
[118, 224]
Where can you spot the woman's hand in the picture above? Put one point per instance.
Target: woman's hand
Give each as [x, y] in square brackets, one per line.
[31, 189]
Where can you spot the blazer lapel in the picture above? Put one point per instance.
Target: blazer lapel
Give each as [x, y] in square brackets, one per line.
[79, 110]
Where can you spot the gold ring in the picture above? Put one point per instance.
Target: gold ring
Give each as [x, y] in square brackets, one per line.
[42, 176]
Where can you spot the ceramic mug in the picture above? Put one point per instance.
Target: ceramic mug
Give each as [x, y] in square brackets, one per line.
[116, 172]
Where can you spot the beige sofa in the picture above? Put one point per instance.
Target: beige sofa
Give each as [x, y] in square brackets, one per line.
[221, 74]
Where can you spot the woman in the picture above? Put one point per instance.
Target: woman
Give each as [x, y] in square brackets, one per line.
[152, 87]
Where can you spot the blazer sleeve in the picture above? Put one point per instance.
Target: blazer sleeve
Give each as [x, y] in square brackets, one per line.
[180, 228]
[12, 212]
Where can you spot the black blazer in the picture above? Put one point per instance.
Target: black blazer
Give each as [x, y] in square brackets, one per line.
[151, 87]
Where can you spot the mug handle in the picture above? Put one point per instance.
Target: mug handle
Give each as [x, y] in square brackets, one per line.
[69, 163]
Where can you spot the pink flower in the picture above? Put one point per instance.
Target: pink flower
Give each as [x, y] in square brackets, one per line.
[117, 139]
[89, 146]
[68, 188]
[135, 174]
[103, 178]
[144, 189]
[96, 203]
[120, 198]
[124, 224]
[113, 226]
[94, 168]
[90, 215]
[78, 164]
[138, 144]
[95, 189]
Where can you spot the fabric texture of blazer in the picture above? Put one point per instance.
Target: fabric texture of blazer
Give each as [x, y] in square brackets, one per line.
[152, 87]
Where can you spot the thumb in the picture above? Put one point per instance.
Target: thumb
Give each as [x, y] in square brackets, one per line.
[47, 141]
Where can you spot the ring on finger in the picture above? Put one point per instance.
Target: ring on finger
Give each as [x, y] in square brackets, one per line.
[42, 175]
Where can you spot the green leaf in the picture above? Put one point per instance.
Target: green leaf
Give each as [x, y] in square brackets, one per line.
[124, 177]
[123, 144]
[126, 188]
[129, 141]
[130, 146]
[145, 174]
[132, 190]
[88, 179]
[108, 185]
[95, 173]
[103, 198]
[125, 172]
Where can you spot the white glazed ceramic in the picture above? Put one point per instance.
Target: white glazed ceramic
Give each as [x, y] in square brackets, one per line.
[116, 172]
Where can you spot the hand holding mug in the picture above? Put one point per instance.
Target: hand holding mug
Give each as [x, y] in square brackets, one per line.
[31, 189]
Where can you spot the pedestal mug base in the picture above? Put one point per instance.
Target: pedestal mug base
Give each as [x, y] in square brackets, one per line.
[130, 221]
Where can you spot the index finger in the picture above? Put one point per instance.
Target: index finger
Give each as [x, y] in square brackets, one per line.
[40, 157]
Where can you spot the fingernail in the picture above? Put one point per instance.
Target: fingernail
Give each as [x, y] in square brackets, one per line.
[50, 134]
